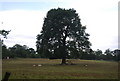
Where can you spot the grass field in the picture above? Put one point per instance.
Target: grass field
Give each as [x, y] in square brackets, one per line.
[50, 69]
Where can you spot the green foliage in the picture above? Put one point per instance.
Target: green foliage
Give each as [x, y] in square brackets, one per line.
[116, 54]
[108, 54]
[4, 33]
[4, 51]
[98, 54]
[18, 51]
[62, 35]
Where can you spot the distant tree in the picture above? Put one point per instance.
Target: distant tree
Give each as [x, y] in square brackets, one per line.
[98, 54]
[20, 50]
[88, 55]
[109, 54]
[62, 35]
[12, 52]
[31, 50]
[31, 53]
[4, 51]
[116, 55]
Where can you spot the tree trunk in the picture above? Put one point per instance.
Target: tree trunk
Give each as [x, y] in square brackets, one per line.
[63, 61]
[64, 49]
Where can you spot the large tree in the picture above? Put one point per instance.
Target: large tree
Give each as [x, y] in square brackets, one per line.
[62, 35]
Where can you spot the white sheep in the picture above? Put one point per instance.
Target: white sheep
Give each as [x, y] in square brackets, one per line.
[34, 65]
[39, 65]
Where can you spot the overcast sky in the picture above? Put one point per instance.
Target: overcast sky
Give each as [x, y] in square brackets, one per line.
[25, 20]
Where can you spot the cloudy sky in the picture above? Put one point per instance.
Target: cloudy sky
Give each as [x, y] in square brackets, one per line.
[25, 20]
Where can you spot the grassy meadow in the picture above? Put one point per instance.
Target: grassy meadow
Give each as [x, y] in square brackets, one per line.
[51, 69]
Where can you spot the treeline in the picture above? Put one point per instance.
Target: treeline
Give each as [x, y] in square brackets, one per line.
[18, 51]
[94, 55]
[99, 55]
[23, 51]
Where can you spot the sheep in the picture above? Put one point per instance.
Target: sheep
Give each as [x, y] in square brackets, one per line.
[37, 65]
[34, 65]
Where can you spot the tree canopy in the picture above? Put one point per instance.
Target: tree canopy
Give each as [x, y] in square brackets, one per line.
[62, 35]
[18, 51]
[4, 33]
